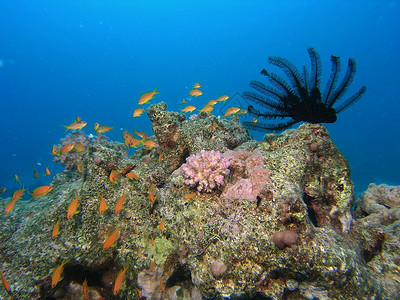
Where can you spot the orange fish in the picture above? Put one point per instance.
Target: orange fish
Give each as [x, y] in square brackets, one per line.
[212, 102]
[41, 191]
[183, 101]
[79, 167]
[127, 141]
[18, 194]
[75, 126]
[142, 134]
[85, 287]
[132, 175]
[231, 111]
[104, 129]
[160, 157]
[222, 98]
[5, 283]
[207, 108]
[254, 121]
[162, 286]
[10, 206]
[135, 143]
[149, 144]
[119, 280]
[242, 112]
[119, 204]
[152, 240]
[139, 292]
[35, 173]
[139, 253]
[55, 151]
[103, 205]
[79, 148]
[78, 119]
[195, 93]
[56, 230]
[126, 135]
[114, 175]
[72, 209]
[66, 148]
[96, 126]
[196, 85]
[151, 194]
[56, 277]
[47, 172]
[189, 108]
[146, 97]
[189, 196]
[138, 112]
[153, 266]
[111, 239]
[162, 224]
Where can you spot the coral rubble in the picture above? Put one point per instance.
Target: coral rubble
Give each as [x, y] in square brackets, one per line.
[281, 226]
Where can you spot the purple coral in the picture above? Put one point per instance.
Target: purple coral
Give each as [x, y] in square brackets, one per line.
[206, 169]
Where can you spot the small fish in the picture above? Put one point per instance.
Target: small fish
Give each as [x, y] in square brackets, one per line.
[111, 239]
[96, 126]
[41, 191]
[151, 194]
[119, 204]
[153, 266]
[85, 287]
[79, 148]
[254, 121]
[162, 224]
[103, 205]
[132, 175]
[189, 196]
[162, 286]
[138, 112]
[127, 141]
[136, 229]
[207, 108]
[66, 148]
[139, 253]
[160, 157]
[146, 97]
[195, 93]
[56, 277]
[231, 111]
[222, 98]
[135, 143]
[196, 85]
[141, 134]
[75, 126]
[56, 230]
[242, 112]
[139, 291]
[18, 194]
[121, 251]
[189, 108]
[35, 173]
[5, 283]
[55, 151]
[119, 280]
[10, 206]
[79, 167]
[149, 144]
[47, 172]
[73, 206]
[183, 101]
[104, 129]
[152, 240]
[212, 102]
[126, 135]
[78, 119]
[114, 175]
[16, 178]
[2, 189]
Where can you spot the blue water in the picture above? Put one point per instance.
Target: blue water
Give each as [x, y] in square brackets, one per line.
[61, 59]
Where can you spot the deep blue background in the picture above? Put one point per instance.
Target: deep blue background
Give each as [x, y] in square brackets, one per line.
[61, 59]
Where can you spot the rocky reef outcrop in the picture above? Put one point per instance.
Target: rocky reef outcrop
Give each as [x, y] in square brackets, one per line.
[281, 224]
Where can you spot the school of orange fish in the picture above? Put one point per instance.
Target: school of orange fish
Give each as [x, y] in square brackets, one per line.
[130, 141]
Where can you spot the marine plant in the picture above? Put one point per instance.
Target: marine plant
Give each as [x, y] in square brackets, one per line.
[300, 99]
[206, 170]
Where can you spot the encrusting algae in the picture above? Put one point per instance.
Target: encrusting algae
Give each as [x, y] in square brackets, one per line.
[283, 209]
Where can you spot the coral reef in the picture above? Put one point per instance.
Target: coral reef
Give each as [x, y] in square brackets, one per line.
[206, 170]
[281, 226]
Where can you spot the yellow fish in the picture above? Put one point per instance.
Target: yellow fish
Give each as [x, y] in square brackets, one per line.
[146, 97]
[222, 98]
[195, 93]
[104, 129]
[189, 108]
[56, 277]
[75, 126]
[231, 111]
[138, 112]
[196, 85]
[207, 108]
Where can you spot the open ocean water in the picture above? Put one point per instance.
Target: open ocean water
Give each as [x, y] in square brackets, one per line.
[93, 59]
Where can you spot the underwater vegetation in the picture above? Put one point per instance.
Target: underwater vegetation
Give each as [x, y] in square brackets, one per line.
[300, 99]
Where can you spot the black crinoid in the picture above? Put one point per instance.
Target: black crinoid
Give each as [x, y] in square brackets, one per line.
[300, 99]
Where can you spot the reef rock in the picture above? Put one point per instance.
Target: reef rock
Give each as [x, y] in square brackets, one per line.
[280, 227]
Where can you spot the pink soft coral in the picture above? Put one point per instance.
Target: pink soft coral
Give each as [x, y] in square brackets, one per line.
[206, 169]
